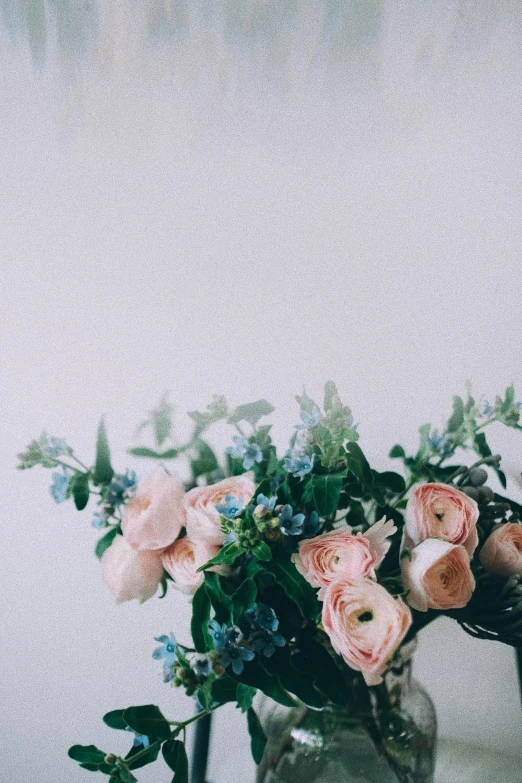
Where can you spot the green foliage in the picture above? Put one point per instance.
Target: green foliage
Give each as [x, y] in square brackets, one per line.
[257, 736]
[224, 689]
[245, 696]
[251, 412]
[257, 677]
[216, 411]
[87, 754]
[148, 720]
[294, 584]
[105, 542]
[456, 419]
[103, 471]
[114, 719]
[146, 756]
[142, 451]
[243, 599]
[221, 603]
[397, 452]
[175, 756]
[226, 556]
[326, 492]
[200, 620]
[79, 488]
[262, 551]
[204, 461]
[159, 421]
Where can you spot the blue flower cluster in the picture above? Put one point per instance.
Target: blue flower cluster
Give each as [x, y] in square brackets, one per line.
[297, 461]
[55, 447]
[167, 651]
[227, 643]
[309, 420]
[264, 623]
[297, 524]
[231, 508]
[439, 442]
[60, 485]
[243, 449]
[121, 488]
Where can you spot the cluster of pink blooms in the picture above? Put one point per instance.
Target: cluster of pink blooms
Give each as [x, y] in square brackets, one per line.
[365, 623]
[152, 521]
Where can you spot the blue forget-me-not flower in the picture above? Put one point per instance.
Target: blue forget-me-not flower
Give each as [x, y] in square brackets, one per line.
[201, 665]
[269, 504]
[243, 449]
[231, 508]
[263, 616]
[312, 525]
[98, 519]
[226, 642]
[139, 739]
[291, 524]
[60, 486]
[121, 488]
[298, 462]
[167, 651]
[309, 419]
[265, 642]
[55, 447]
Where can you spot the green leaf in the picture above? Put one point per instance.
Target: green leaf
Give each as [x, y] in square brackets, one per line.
[204, 696]
[306, 403]
[87, 754]
[224, 689]
[142, 451]
[251, 412]
[390, 480]
[397, 452]
[220, 601]
[175, 757]
[161, 419]
[205, 460]
[273, 464]
[228, 555]
[262, 551]
[103, 471]
[326, 493]
[257, 677]
[294, 584]
[243, 599]
[330, 391]
[481, 446]
[200, 620]
[80, 490]
[114, 719]
[217, 410]
[322, 669]
[358, 464]
[126, 775]
[456, 419]
[294, 680]
[257, 736]
[148, 720]
[245, 696]
[105, 542]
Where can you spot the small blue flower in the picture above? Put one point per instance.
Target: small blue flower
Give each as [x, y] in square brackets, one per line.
[98, 520]
[217, 633]
[121, 488]
[234, 655]
[486, 409]
[139, 739]
[201, 665]
[263, 616]
[166, 650]
[269, 504]
[298, 462]
[291, 525]
[265, 642]
[309, 420]
[243, 449]
[60, 486]
[439, 442]
[312, 525]
[55, 447]
[231, 508]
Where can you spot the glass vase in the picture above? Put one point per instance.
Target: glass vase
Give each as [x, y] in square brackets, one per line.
[385, 734]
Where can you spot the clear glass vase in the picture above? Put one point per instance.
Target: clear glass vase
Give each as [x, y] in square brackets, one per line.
[385, 734]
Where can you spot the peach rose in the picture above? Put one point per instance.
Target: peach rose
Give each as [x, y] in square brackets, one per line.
[130, 574]
[366, 625]
[502, 551]
[200, 507]
[154, 516]
[441, 511]
[341, 555]
[182, 560]
[438, 576]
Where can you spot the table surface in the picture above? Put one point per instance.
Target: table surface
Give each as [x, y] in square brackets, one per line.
[460, 762]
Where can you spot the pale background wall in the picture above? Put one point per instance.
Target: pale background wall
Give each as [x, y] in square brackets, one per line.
[242, 214]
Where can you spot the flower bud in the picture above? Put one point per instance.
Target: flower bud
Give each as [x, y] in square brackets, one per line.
[471, 492]
[478, 476]
[110, 758]
[260, 511]
[485, 495]
[218, 669]
[272, 533]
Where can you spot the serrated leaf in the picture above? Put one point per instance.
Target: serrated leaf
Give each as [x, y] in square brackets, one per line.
[200, 620]
[243, 599]
[105, 542]
[251, 412]
[114, 719]
[80, 490]
[326, 493]
[294, 584]
[103, 471]
[142, 451]
[245, 696]
[257, 736]
[147, 719]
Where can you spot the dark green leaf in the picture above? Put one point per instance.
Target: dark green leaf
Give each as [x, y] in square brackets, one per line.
[126, 775]
[105, 542]
[224, 689]
[322, 669]
[80, 490]
[257, 736]
[142, 451]
[253, 674]
[251, 412]
[204, 697]
[220, 601]
[103, 471]
[243, 599]
[200, 620]
[148, 720]
[294, 584]
[456, 419]
[205, 460]
[262, 551]
[358, 464]
[87, 754]
[326, 493]
[175, 756]
[397, 451]
[390, 480]
[114, 719]
[228, 555]
[245, 696]
[295, 681]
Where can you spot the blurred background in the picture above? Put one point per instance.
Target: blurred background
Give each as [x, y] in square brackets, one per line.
[241, 197]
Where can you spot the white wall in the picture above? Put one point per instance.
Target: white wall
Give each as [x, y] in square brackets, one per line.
[243, 217]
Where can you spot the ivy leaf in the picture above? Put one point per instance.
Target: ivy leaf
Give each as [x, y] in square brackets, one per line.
[257, 736]
[175, 756]
[103, 471]
[105, 542]
[243, 599]
[200, 620]
[245, 696]
[220, 601]
[80, 490]
[148, 720]
[326, 493]
[294, 584]
[251, 412]
[114, 719]
[142, 451]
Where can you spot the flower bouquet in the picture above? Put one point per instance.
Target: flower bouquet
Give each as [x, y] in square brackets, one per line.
[309, 576]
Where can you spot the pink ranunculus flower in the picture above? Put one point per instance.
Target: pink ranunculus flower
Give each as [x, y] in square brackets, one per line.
[341, 555]
[129, 573]
[438, 576]
[200, 507]
[441, 511]
[366, 625]
[182, 560]
[502, 551]
[154, 516]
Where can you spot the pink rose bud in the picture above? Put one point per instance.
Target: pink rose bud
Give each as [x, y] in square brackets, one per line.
[441, 511]
[341, 555]
[366, 625]
[203, 520]
[130, 574]
[438, 576]
[502, 551]
[182, 560]
[154, 516]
